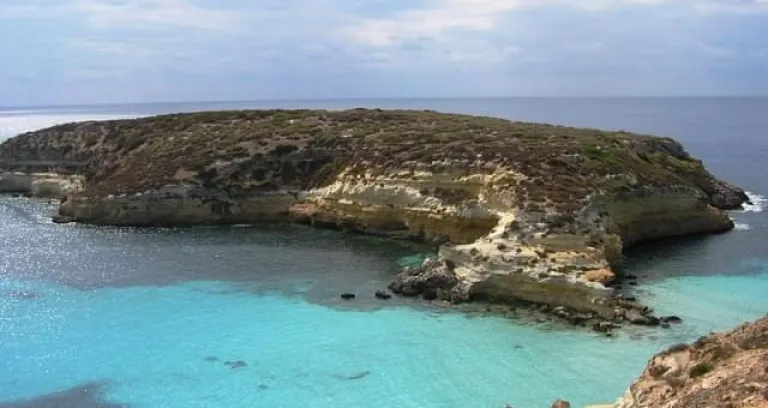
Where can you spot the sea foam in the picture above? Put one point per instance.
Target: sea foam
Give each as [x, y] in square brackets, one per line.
[759, 202]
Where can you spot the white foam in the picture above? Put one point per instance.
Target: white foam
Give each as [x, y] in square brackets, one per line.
[741, 227]
[759, 203]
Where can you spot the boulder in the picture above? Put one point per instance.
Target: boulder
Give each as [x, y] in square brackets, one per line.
[561, 404]
[432, 280]
[635, 316]
[348, 296]
[380, 294]
[728, 197]
[671, 320]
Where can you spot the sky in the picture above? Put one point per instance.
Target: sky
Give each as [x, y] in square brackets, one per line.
[124, 51]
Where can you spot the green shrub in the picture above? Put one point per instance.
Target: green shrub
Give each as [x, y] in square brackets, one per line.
[701, 369]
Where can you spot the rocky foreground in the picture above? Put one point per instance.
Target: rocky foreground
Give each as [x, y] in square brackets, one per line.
[724, 370]
[522, 212]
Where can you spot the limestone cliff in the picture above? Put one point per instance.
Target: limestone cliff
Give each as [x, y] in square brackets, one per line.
[42, 185]
[522, 211]
[726, 370]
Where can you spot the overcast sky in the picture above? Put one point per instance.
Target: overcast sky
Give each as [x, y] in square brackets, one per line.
[91, 51]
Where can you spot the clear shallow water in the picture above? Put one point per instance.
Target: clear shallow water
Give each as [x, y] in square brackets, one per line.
[97, 317]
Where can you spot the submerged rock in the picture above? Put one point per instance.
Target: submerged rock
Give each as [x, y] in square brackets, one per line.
[354, 376]
[348, 296]
[23, 295]
[561, 404]
[671, 319]
[236, 364]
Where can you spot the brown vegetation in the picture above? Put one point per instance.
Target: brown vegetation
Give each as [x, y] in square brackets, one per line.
[270, 149]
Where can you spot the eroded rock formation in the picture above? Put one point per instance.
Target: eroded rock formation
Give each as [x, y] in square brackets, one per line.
[521, 211]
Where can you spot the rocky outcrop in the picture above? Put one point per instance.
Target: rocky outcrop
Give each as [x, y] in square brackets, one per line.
[720, 370]
[40, 185]
[522, 212]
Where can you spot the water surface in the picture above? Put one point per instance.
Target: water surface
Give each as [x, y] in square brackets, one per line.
[243, 317]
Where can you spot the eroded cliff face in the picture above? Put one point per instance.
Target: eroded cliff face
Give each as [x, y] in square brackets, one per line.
[41, 185]
[522, 212]
[498, 251]
[720, 371]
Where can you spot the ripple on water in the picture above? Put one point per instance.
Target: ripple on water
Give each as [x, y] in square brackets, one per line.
[241, 317]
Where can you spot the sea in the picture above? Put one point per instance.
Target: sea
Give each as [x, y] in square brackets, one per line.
[250, 316]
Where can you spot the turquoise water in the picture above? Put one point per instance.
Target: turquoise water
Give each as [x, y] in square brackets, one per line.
[136, 315]
[149, 346]
[251, 317]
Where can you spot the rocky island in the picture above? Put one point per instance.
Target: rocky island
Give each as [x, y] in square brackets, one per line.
[520, 211]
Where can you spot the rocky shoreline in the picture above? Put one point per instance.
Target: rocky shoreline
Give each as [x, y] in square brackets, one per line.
[523, 213]
[437, 280]
[728, 370]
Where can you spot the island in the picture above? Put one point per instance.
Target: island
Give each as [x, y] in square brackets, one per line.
[521, 212]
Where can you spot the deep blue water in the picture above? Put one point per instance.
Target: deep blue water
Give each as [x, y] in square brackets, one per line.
[244, 317]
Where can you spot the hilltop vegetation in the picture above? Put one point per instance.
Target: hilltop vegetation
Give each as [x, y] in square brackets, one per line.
[561, 166]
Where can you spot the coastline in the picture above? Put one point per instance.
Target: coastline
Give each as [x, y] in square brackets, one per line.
[517, 218]
[46, 185]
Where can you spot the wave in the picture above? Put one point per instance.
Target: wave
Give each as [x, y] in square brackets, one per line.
[741, 227]
[759, 203]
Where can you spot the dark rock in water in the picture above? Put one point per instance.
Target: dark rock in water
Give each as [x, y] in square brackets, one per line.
[380, 294]
[61, 219]
[433, 280]
[632, 283]
[263, 387]
[561, 404]
[671, 319]
[604, 327]
[347, 296]
[211, 358]
[637, 317]
[628, 298]
[578, 319]
[24, 295]
[408, 291]
[665, 325]
[630, 277]
[355, 376]
[727, 197]
[236, 364]
[429, 294]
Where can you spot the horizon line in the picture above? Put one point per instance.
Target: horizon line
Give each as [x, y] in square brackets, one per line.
[381, 98]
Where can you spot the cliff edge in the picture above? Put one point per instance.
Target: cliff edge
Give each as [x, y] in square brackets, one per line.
[724, 370]
[521, 211]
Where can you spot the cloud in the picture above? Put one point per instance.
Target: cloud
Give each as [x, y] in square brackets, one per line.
[245, 49]
[438, 18]
[434, 19]
[163, 13]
